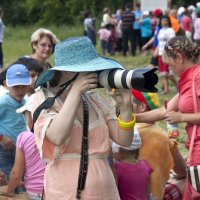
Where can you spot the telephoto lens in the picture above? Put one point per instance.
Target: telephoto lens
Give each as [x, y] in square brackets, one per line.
[142, 79]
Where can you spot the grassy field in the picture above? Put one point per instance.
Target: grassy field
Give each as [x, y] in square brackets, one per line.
[17, 44]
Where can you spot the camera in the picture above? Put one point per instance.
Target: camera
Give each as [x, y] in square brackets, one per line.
[142, 79]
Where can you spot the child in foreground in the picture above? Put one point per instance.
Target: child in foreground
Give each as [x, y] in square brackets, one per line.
[12, 123]
[129, 169]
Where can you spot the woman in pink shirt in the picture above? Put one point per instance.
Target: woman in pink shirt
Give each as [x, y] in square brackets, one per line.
[74, 131]
[183, 57]
[28, 165]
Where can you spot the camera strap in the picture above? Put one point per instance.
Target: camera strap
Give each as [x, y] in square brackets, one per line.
[84, 149]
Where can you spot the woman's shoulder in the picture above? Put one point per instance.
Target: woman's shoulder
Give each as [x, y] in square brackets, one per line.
[104, 102]
[102, 99]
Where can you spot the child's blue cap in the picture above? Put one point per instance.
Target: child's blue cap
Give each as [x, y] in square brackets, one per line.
[17, 74]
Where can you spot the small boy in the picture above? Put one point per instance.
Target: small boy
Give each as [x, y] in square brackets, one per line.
[34, 67]
[12, 123]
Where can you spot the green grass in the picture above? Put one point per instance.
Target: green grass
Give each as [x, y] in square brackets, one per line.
[17, 44]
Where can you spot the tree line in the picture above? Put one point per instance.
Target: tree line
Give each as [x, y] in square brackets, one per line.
[58, 12]
[20, 12]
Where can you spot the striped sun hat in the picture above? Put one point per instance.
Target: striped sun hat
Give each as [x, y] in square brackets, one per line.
[150, 99]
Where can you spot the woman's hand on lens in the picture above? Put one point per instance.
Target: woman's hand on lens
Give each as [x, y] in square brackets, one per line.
[85, 82]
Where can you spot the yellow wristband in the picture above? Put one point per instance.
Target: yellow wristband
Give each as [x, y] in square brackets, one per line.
[126, 125]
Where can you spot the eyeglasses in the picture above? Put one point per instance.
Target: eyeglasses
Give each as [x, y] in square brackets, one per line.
[45, 45]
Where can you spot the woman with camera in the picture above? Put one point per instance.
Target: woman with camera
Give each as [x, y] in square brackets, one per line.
[74, 124]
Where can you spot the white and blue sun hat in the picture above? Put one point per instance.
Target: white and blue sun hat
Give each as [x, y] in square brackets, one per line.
[77, 54]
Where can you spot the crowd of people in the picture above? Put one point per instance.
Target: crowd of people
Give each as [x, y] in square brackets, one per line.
[132, 30]
[60, 138]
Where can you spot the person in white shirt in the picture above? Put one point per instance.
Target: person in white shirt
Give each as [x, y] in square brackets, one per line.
[165, 34]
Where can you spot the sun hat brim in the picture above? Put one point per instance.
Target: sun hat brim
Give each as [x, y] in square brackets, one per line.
[97, 64]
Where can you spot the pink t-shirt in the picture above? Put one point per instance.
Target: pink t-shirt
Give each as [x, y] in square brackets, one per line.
[186, 23]
[34, 165]
[186, 105]
[133, 179]
[104, 34]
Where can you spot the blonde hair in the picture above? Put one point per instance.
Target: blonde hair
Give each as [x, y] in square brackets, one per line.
[40, 33]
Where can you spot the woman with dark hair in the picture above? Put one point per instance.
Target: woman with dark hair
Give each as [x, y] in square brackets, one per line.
[165, 34]
[183, 57]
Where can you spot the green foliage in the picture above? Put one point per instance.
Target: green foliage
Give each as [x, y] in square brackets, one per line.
[60, 12]
[20, 12]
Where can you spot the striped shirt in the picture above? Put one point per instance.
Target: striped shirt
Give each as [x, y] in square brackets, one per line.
[128, 18]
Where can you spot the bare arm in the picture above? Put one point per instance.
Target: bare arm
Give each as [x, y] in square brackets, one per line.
[151, 116]
[179, 164]
[64, 120]
[16, 173]
[120, 136]
[150, 42]
[178, 117]
[158, 114]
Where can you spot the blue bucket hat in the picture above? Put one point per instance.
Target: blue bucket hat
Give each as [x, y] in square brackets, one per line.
[77, 54]
[17, 74]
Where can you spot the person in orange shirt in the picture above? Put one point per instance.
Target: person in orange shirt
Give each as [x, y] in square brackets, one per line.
[174, 22]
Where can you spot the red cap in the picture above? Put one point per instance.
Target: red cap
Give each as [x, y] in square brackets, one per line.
[157, 12]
